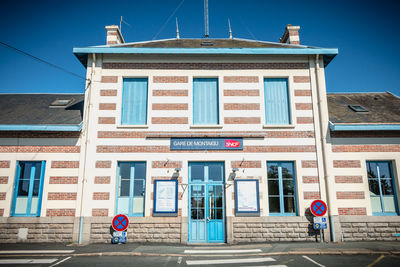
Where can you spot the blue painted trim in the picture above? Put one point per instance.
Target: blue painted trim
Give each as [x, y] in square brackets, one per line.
[239, 51]
[384, 214]
[364, 127]
[51, 128]
[155, 197]
[236, 197]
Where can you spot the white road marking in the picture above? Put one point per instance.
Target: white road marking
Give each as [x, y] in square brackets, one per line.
[267, 266]
[61, 261]
[225, 261]
[27, 261]
[216, 251]
[179, 260]
[313, 261]
[35, 251]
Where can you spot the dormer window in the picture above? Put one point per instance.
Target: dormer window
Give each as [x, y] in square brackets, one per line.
[61, 103]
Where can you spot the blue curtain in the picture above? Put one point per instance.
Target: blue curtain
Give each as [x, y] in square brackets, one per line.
[134, 101]
[205, 101]
[277, 109]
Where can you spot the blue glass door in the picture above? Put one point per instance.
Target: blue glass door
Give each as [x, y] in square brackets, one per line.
[206, 221]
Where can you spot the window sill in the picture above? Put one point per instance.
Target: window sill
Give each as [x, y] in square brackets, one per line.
[268, 126]
[133, 126]
[219, 126]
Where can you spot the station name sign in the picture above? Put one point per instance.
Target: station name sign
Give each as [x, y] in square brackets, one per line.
[206, 144]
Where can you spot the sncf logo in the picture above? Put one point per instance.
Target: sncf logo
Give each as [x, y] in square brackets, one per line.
[232, 143]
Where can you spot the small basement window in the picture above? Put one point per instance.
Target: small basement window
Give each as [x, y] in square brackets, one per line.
[358, 108]
[61, 103]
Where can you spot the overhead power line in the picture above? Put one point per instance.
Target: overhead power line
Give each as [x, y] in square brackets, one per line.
[169, 18]
[42, 60]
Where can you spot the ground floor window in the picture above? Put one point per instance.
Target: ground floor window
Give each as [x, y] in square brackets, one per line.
[28, 186]
[131, 188]
[381, 189]
[281, 188]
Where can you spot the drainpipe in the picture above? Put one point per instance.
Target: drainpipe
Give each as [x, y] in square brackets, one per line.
[86, 137]
[323, 121]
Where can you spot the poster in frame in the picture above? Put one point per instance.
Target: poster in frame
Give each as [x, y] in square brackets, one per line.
[247, 200]
[165, 202]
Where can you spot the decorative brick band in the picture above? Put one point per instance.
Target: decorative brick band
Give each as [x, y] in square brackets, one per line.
[267, 134]
[99, 212]
[206, 66]
[350, 195]
[107, 106]
[103, 164]
[246, 164]
[312, 195]
[40, 149]
[106, 120]
[305, 120]
[348, 179]
[3, 195]
[60, 212]
[101, 195]
[31, 134]
[166, 149]
[241, 92]
[166, 164]
[65, 164]
[302, 92]
[170, 79]
[170, 92]
[102, 180]
[346, 164]
[240, 79]
[108, 92]
[366, 148]
[170, 106]
[1, 212]
[4, 164]
[242, 106]
[63, 179]
[352, 211]
[309, 164]
[109, 79]
[373, 134]
[61, 196]
[301, 79]
[169, 120]
[303, 106]
[3, 179]
[242, 120]
[310, 179]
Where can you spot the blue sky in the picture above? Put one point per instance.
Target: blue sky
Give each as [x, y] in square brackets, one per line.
[365, 32]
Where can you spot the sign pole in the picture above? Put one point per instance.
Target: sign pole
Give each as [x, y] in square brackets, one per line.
[320, 236]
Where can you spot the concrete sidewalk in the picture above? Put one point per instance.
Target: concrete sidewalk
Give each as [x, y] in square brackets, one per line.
[301, 248]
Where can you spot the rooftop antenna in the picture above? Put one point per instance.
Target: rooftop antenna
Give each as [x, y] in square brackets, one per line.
[230, 30]
[120, 24]
[177, 29]
[206, 33]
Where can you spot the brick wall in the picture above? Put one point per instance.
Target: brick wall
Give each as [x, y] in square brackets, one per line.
[348, 179]
[108, 92]
[241, 106]
[352, 211]
[241, 92]
[64, 164]
[61, 196]
[350, 195]
[101, 195]
[100, 213]
[102, 179]
[39, 149]
[60, 212]
[63, 180]
[170, 79]
[166, 164]
[169, 120]
[309, 164]
[170, 92]
[246, 164]
[241, 79]
[3, 179]
[4, 164]
[103, 164]
[346, 164]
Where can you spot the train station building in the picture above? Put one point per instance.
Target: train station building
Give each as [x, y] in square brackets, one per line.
[200, 141]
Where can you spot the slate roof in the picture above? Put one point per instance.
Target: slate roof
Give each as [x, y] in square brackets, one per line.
[33, 109]
[383, 108]
[208, 43]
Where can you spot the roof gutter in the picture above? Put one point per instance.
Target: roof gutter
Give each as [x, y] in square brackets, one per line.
[47, 128]
[363, 127]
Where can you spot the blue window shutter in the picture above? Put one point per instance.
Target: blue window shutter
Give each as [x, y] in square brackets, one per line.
[134, 101]
[205, 101]
[277, 108]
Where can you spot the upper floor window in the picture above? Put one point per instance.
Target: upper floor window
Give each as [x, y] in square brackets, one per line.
[134, 101]
[381, 189]
[205, 101]
[281, 188]
[28, 186]
[277, 104]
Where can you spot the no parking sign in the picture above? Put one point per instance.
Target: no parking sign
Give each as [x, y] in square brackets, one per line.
[318, 208]
[120, 222]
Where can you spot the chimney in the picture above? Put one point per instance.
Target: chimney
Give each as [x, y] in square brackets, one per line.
[114, 35]
[291, 35]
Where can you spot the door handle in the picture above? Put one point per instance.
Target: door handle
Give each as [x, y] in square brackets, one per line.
[207, 219]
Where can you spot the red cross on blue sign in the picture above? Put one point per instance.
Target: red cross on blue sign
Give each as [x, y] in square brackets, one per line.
[120, 222]
[318, 208]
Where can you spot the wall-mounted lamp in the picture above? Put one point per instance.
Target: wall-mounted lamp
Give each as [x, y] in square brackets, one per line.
[177, 169]
[175, 175]
[232, 175]
[235, 169]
